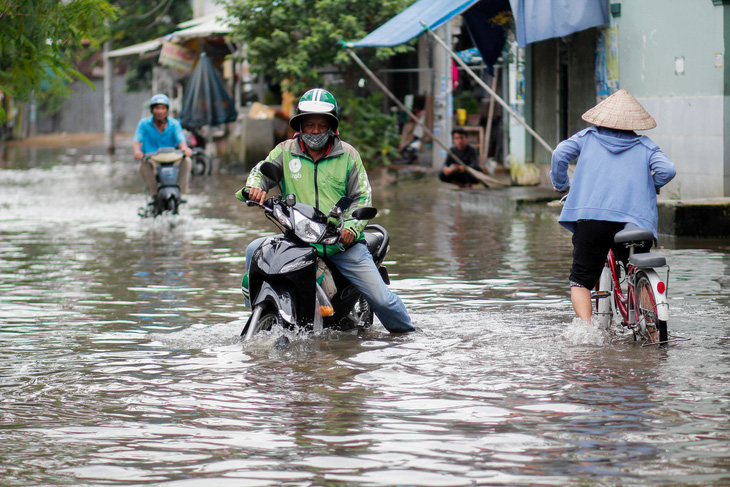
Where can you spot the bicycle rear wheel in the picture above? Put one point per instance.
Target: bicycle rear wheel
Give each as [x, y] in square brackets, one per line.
[651, 328]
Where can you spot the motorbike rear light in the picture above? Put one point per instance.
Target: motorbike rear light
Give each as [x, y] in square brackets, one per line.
[661, 287]
[326, 310]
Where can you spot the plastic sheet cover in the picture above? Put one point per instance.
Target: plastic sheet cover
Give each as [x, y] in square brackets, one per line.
[206, 101]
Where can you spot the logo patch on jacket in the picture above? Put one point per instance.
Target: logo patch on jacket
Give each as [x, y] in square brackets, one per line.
[295, 165]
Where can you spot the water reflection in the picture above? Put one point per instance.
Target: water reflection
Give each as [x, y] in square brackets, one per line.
[122, 366]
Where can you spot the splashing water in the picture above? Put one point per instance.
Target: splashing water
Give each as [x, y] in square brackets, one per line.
[585, 332]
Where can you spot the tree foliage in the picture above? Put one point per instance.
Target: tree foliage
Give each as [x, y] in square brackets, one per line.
[365, 125]
[38, 42]
[142, 21]
[291, 41]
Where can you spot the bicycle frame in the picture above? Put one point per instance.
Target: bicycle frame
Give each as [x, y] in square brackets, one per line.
[642, 305]
[627, 307]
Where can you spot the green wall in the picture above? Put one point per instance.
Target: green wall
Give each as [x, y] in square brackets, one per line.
[652, 33]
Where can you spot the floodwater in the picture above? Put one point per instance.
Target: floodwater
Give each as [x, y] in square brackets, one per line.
[121, 365]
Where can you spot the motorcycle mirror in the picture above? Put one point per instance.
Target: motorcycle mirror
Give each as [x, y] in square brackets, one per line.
[272, 171]
[365, 213]
[344, 203]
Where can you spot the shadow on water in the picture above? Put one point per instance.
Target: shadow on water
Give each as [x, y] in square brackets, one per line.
[122, 364]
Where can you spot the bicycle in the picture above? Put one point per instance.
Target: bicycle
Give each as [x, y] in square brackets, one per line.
[632, 294]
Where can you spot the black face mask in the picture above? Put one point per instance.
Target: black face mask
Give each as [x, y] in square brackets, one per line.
[318, 141]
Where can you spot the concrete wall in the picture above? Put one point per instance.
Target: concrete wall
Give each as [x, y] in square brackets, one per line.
[655, 37]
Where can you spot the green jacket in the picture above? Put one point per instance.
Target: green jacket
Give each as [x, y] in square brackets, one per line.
[339, 173]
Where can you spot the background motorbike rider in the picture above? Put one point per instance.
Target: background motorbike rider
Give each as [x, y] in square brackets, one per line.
[159, 131]
[319, 168]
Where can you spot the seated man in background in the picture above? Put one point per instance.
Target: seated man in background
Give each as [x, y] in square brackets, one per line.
[455, 173]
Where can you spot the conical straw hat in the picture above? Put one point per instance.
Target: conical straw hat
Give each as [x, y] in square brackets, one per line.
[620, 111]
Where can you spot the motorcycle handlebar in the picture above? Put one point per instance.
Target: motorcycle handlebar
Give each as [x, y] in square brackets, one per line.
[164, 155]
[160, 151]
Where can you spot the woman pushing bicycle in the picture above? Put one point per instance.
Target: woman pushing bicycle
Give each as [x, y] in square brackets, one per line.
[616, 180]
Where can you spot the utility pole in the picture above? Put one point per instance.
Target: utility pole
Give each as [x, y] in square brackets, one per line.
[443, 99]
[108, 105]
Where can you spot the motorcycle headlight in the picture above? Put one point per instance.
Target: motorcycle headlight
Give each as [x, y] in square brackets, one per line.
[282, 218]
[309, 231]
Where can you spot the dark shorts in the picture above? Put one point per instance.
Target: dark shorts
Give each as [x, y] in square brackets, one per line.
[591, 242]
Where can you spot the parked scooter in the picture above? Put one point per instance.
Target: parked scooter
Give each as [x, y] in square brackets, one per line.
[201, 163]
[168, 197]
[289, 285]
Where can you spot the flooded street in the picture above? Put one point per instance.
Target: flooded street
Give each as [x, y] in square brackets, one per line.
[121, 364]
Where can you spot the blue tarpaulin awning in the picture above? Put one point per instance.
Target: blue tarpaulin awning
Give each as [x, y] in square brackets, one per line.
[535, 20]
[408, 24]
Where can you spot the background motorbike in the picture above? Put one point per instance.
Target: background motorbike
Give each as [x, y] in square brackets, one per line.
[168, 197]
[289, 285]
[201, 163]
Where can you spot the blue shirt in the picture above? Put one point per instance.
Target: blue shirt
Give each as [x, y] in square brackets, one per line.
[152, 139]
[616, 177]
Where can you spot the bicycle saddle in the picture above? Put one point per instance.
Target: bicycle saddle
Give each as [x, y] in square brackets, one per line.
[633, 233]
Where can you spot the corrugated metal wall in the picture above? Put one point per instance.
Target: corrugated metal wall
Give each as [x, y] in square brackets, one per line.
[83, 112]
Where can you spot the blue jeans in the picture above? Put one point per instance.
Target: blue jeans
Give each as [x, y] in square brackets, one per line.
[357, 265]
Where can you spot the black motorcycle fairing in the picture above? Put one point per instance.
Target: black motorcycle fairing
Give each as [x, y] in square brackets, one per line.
[280, 256]
[281, 297]
[285, 267]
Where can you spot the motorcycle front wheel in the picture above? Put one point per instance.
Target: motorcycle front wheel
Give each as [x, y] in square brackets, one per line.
[262, 320]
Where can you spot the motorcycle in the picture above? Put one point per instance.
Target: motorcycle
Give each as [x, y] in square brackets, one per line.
[201, 163]
[288, 285]
[168, 197]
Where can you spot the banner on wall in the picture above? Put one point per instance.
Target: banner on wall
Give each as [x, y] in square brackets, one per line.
[606, 63]
[177, 57]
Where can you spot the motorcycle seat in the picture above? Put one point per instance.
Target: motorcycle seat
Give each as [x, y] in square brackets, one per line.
[373, 241]
[377, 240]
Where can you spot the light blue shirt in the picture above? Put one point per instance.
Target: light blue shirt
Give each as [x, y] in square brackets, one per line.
[152, 139]
[615, 179]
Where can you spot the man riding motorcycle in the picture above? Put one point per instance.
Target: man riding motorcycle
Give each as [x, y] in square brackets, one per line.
[319, 169]
[159, 131]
